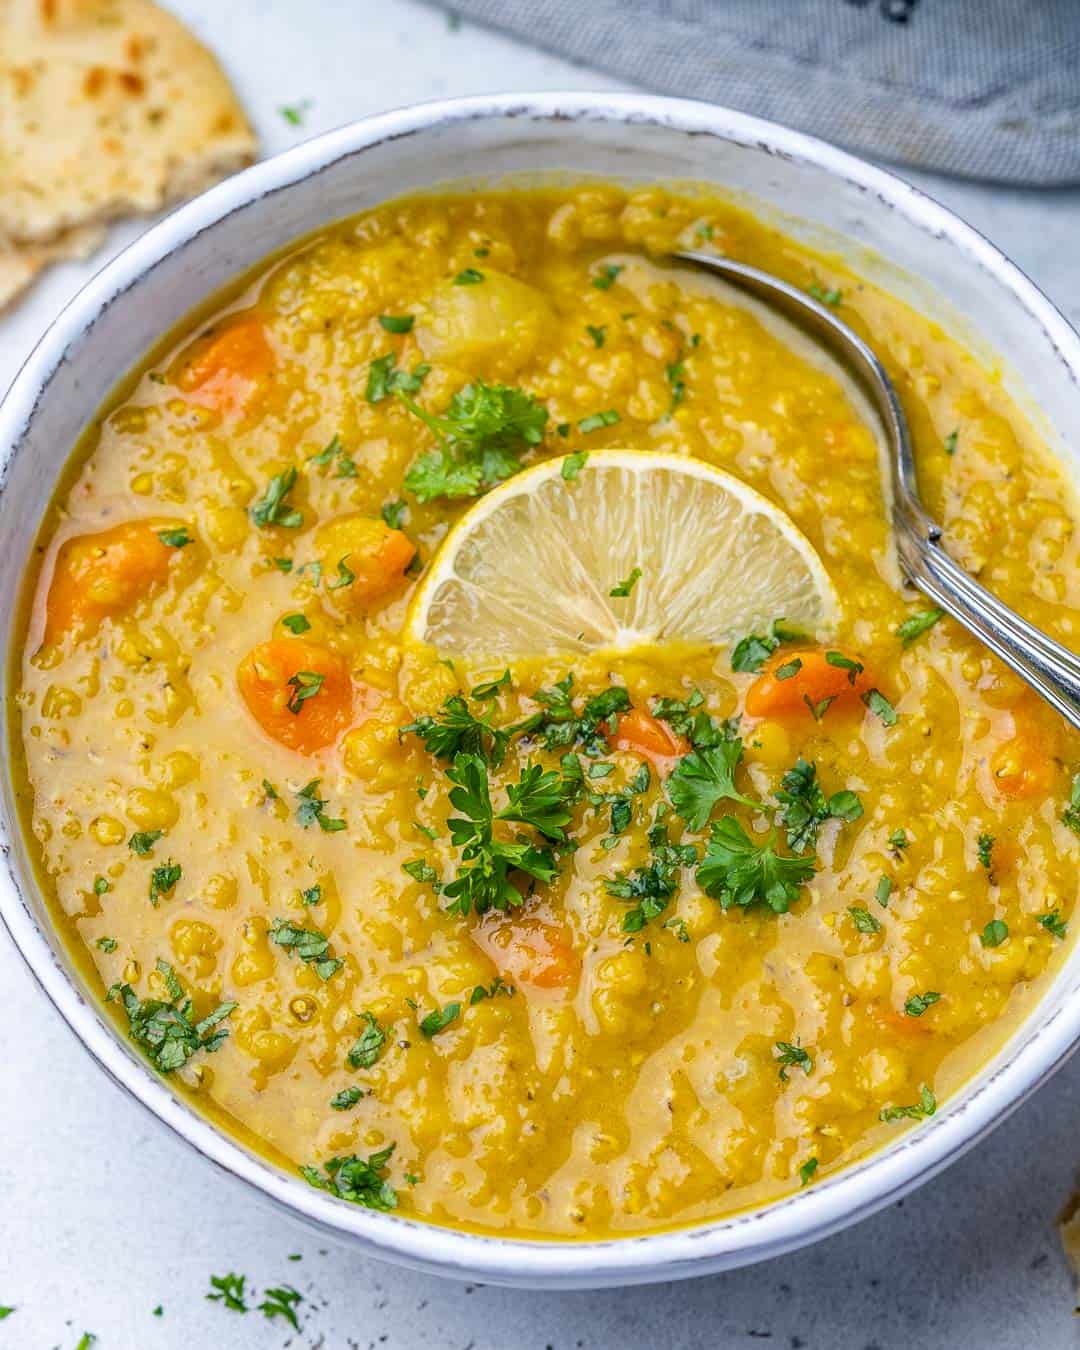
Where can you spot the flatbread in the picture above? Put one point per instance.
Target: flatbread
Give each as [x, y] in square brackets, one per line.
[106, 107]
[20, 264]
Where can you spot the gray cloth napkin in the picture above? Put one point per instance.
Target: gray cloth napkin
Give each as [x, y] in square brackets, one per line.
[980, 88]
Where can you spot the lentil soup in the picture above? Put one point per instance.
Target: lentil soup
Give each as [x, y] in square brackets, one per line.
[578, 945]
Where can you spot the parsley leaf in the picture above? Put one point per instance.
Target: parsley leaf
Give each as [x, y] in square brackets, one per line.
[311, 809]
[925, 1106]
[178, 538]
[605, 277]
[994, 934]
[863, 920]
[369, 1045]
[1053, 923]
[296, 623]
[309, 944]
[281, 1301]
[386, 378]
[807, 1170]
[788, 1055]
[397, 323]
[737, 871]
[272, 508]
[598, 334]
[950, 442]
[107, 944]
[831, 296]
[1071, 814]
[880, 706]
[984, 847]
[703, 778]
[346, 1099]
[439, 1020]
[164, 1030]
[573, 464]
[469, 276]
[804, 807]
[394, 513]
[229, 1290]
[653, 885]
[304, 684]
[559, 725]
[143, 841]
[359, 1180]
[482, 434]
[917, 624]
[455, 730]
[163, 879]
[917, 1004]
[622, 589]
[496, 987]
[608, 418]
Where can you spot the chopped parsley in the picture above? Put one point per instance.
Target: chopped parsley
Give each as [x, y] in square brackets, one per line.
[622, 589]
[917, 1004]
[143, 841]
[281, 1301]
[898, 840]
[1071, 814]
[917, 624]
[490, 688]
[653, 885]
[573, 464]
[792, 1056]
[369, 1045]
[994, 934]
[312, 896]
[831, 296]
[439, 1020]
[294, 113]
[704, 777]
[598, 334]
[101, 886]
[272, 508]
[311, 809]
[752, 651]
[163, 879]
[676, 377]
[492, 990]
[880, 706]
[984, 847]
[807, 1170]
[596, 420]
[346, 466]
[883, 891]
[310, 945]
[393, 513]
[605, 277]
[385, 378]
[559, 725]
[456, 730]
[1053, 923]
[178, 538]
[107, 944]
[469, 276]
[164, 1030]
[925, 1106]
[296, 623]
[346, 1099]
[304, 684]
[842, 662]
[229, 1290]
[950, 442]
[805, 808]
[397, 323]
[482, 435]
[359, 1180]
[687, 718]
[737, 871]
[863, 920]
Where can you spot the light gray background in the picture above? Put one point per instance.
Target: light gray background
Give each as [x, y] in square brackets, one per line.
[102, 1216]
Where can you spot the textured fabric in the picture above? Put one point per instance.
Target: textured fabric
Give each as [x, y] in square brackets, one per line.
[981, 88]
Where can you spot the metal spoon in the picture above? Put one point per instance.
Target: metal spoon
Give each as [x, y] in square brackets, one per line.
[1048, 667]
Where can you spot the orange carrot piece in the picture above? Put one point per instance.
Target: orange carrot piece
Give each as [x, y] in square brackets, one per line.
[793, 679]
[300, 693]
[100, 575]
[228, 372]
[526, 949]
[645, 735]
[1023, 766]
[366, 548]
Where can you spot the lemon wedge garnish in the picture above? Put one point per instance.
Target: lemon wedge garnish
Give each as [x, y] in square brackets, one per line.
[531, 567]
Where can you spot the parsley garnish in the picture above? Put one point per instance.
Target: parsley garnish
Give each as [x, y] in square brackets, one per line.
[469, 276]
[917, 624]
[107, 944]
[1071, 814]
[917, 1004]
[687, 718]
[703, 778]
[229, 1289]
[676, 373]
[788, 670]
[272, 509]
[950, 442]
[369, 1045]
[492, 990]
[143, 841]
[805, 808]
[596, 420]
[455, 730]
[296, 623]
[863, 920]
[880, 706]
[439, 1020]
[598, 334]
[490, 688]
[752, 651]
[622, 589]
[482, 435]
[312, 896]
[653, 885]
[385, 378]
[898, 840]
[311, 809]
[304, 684]
[883, 891]
[560, 725]
[573, 464]
[164, 1030]
[397, 323]
[994, 934]
[831, 297]
[788, 1055]
[807, 1170]
[101, 886]
[294, 113]
[163, 879]
[1053, 923]
[926, 1106]
[394, 513]
[984, 847]
[843, 662]
[178, 538]
[738, 871]
[359, 1180]
[309, 944]
[346, 1099]
[605, 277]
[281, 1302]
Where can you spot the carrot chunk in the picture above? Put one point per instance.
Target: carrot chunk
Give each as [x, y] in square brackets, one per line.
[792, 680]
[1023, 766]
[526, 949]
[365, 559]
[230, 370]
[300, 693]
[645, 735]
[97, 576]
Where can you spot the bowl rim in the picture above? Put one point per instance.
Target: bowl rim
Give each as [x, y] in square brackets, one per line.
[858, 1190]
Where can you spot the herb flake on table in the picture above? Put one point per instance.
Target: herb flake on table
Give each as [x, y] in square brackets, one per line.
[281, 1301]
[229, 1291]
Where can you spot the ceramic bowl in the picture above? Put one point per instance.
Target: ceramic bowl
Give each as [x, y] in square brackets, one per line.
[888, 231]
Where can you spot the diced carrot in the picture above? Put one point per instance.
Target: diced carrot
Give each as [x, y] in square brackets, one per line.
[645, 735]
[1023, 766]
[794, 679]
[526, 949]
[367, 550]
[228, 372]
[900, 1024]
[300, 693]
[100, 575]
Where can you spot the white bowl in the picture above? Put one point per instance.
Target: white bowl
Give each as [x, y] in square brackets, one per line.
[888, 230]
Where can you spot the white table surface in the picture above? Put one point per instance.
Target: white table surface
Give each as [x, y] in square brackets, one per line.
[103, 1216]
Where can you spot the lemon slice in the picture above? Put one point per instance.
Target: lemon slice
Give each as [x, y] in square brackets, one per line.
[530, 568]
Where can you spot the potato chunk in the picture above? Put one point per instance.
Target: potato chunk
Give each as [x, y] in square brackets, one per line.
[367, 550]
[493, 326]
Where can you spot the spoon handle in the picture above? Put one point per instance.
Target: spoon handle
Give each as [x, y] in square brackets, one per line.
[1051, 669]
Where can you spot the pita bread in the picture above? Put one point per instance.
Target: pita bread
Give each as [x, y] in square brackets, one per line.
[106, 107]
[20, 265]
